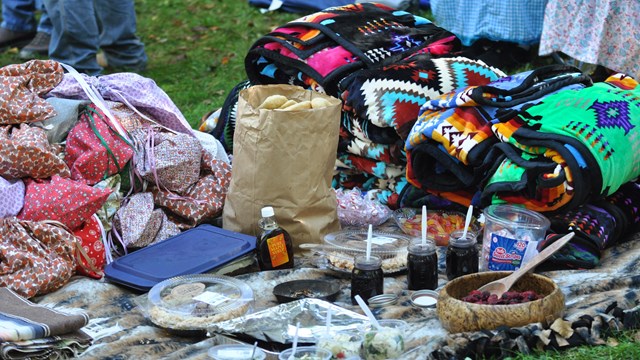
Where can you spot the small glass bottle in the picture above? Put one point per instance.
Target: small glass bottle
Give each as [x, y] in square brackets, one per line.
[462, 254]
[422, 266]
[367, 279]
[274, 247]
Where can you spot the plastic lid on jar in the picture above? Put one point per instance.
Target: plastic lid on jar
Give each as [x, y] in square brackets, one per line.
[267, 211]
[372, 263]
[456, 239]
[418, 248]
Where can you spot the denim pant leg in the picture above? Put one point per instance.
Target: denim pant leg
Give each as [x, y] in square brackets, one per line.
[19, 15]
[118, 39]
[44, 25]
[75, 35]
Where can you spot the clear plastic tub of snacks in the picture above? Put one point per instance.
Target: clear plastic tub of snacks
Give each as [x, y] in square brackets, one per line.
[195, 302]
[341, 247]
[440, 223]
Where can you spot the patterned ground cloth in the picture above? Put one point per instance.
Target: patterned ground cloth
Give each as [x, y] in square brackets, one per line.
[603, 32]
[590, 294]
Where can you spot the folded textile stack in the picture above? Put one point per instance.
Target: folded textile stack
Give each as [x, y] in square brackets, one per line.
[73, 165]
[38, 332]
[454, 147]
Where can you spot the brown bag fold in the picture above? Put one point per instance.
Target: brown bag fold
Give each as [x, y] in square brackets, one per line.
[285, 159]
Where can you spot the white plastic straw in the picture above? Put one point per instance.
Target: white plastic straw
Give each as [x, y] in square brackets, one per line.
[253, 353]
[467, 221]
[367, 312]
[369, 236]
[328, 322]
[295, 342]
[424, 225]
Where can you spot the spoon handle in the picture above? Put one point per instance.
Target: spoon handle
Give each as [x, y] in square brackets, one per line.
[542, 256]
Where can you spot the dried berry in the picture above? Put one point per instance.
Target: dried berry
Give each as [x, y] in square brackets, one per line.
[508, 298]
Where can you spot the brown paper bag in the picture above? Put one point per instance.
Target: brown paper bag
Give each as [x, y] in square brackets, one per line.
[284, 159]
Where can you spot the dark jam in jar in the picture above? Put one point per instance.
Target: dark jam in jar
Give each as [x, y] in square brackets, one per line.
[367, 278]
[422, 266]
[462, 255]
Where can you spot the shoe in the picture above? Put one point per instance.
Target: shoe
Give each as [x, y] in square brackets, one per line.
[39, 46]
[14, 38]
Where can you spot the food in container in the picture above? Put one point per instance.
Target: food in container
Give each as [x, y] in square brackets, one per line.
[236, 352]
[511, 236]
[367, 279]
[386, 342]
[439, 223]
[462, 255]
[422, 268]
[194, 302]
[305, 353]
[342, 344]
[342, 247]
[306, 288]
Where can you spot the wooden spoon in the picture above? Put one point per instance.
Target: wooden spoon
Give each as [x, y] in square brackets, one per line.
[500, 286]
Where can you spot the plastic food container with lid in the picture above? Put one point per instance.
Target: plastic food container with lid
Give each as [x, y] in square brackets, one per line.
[194, 302]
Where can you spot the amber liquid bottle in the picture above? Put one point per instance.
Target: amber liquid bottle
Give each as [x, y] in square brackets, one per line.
[274, 247]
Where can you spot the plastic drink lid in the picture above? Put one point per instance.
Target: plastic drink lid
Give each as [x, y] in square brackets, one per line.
[373, 263]
[417, 248]
[267, 211]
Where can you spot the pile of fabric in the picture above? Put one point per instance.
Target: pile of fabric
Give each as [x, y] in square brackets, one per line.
[94, 167]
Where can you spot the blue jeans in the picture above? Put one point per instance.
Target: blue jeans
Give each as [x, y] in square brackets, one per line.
[82, 27]
[19, 15]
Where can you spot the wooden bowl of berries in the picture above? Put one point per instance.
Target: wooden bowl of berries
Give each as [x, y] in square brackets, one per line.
[533, 298]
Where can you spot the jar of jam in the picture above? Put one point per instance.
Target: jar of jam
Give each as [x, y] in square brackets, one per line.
[367, 278]
[422, 266]
[462, 254]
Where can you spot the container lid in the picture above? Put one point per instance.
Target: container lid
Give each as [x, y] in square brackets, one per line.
[236, 352]
[354, 242]
[456, 239]
[267, 211]
[372, 263]
[511, 216]
[417, 248]
[382, 300]
[195, 251]
[424, 298]
[194, 302]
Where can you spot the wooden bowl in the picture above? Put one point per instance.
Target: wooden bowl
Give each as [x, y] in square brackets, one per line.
[461, 316]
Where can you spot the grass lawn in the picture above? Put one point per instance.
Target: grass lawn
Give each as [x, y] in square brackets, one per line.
[196, 52]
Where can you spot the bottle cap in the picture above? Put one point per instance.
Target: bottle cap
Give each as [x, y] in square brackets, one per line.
[267, 211]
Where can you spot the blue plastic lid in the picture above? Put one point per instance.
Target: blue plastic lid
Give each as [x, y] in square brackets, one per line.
[195, 251]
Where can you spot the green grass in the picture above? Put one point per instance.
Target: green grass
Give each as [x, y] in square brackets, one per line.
[196, 52]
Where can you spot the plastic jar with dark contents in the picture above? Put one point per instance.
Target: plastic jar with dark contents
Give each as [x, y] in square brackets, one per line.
[422, 266]
[367, 279]
[462, 254]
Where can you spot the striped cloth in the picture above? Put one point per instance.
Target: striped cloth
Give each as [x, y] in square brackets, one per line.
[518, 21]
[20, 319]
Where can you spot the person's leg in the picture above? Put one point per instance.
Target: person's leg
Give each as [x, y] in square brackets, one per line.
[44, 25]
[75, 34]
[19, 15]
[18, 22]
[39, 46]
[118, 40]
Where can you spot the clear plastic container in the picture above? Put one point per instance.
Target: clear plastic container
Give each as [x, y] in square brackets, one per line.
[236, 352]
[342, 344]
[511, 235]
[195, 302]
[306, 353]
[386, 342]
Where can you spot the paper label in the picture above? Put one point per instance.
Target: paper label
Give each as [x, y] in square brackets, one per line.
[211, 298]
[381, 240]
[506, 253]
[278, 250]
[187, 291]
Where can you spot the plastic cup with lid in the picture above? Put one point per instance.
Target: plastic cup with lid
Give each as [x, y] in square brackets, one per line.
[236, 352]
[305, 352]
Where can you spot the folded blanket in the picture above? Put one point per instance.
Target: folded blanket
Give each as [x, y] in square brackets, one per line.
[317, 51]
[24, 320]
[451, 145]
[587, 135]
[53, 347]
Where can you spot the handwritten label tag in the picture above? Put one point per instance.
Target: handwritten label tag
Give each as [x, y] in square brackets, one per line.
[211, 298]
